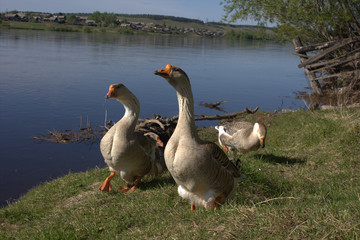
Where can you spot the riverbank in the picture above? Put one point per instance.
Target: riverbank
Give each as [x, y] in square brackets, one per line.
[303, 184]
[146, 25]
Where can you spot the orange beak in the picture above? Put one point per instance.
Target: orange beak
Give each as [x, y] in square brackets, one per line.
[111, 93]
[262, 142]
[165, 72]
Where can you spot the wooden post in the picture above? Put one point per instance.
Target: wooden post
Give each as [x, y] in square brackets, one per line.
[315, 85]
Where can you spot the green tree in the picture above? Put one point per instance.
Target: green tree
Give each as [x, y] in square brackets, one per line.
[104, 19]
[108, 19]
[72, 19]
[96, 16]
[312, 20]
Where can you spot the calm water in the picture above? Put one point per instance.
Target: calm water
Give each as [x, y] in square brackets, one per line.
[49, 80]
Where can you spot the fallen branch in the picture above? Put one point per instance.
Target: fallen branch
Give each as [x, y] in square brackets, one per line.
[214, 105]
[225, 116]
[73, 135]
[319, 46]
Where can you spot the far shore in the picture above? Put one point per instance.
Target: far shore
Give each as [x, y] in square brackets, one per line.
[134, 24]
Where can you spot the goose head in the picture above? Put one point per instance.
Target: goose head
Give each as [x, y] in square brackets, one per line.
[117, 91]
[174, 75]
[221, 129]
[260, 131]
[121, 93]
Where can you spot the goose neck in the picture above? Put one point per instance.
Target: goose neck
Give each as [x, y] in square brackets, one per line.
[131, 115]
[186, 122]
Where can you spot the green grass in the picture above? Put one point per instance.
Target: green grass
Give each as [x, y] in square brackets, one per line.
[303, 185]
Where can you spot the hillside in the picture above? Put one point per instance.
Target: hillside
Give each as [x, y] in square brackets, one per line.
[132, 24]
[303, 185]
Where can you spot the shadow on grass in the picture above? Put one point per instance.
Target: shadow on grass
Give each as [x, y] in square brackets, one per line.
[260, 184]
[156, 182]
[271, 158]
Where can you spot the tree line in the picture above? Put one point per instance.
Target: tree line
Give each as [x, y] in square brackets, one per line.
[312, 20]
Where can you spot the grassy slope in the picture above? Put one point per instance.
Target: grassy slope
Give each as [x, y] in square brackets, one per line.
[303, 185]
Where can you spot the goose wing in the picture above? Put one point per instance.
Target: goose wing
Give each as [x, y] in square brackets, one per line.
[146, 143]
[219, 156]
[233, 127]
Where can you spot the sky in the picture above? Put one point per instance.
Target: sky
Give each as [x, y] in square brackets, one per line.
[205, 10]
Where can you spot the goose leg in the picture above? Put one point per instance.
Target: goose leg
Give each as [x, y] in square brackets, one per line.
[226, 149]
[106, 185]
[192, 207]
[217, 202]
[127, 189]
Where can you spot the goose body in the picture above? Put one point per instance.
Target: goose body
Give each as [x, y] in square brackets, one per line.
[127, 152]
[242, 136]
[202, 171]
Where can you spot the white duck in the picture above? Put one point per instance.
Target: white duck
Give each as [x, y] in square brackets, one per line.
[202, 171]
[242, 136]
[127, 152]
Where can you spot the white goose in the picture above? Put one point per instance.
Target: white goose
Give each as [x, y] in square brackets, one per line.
[241, 136]
[202, 171]
[127, 152]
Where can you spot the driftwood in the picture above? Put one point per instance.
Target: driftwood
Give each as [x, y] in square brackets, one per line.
[333, 70]
[158, 128]
[225, 116]
[214, 105]
[73, 135]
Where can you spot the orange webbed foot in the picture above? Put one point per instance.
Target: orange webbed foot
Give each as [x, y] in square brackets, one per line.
[124, 189]
[127, 189]
[106, 185]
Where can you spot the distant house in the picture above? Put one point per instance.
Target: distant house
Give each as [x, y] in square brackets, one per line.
[137, 25]
[36, 18]
[57, 19]
[15, 16]
[11, 16]
[45, 15]
[82, 19]
[90, 22]
[125, 25]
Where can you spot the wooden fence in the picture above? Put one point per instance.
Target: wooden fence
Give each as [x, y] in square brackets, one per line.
[331, 67]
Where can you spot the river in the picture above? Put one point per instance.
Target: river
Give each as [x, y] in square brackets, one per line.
[49, 80]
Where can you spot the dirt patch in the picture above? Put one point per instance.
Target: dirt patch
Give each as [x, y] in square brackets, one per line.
[78, 199]
[9, 227]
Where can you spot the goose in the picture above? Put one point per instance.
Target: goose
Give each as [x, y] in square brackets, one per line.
[241, 136]
[127, 152]
[204, 174]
